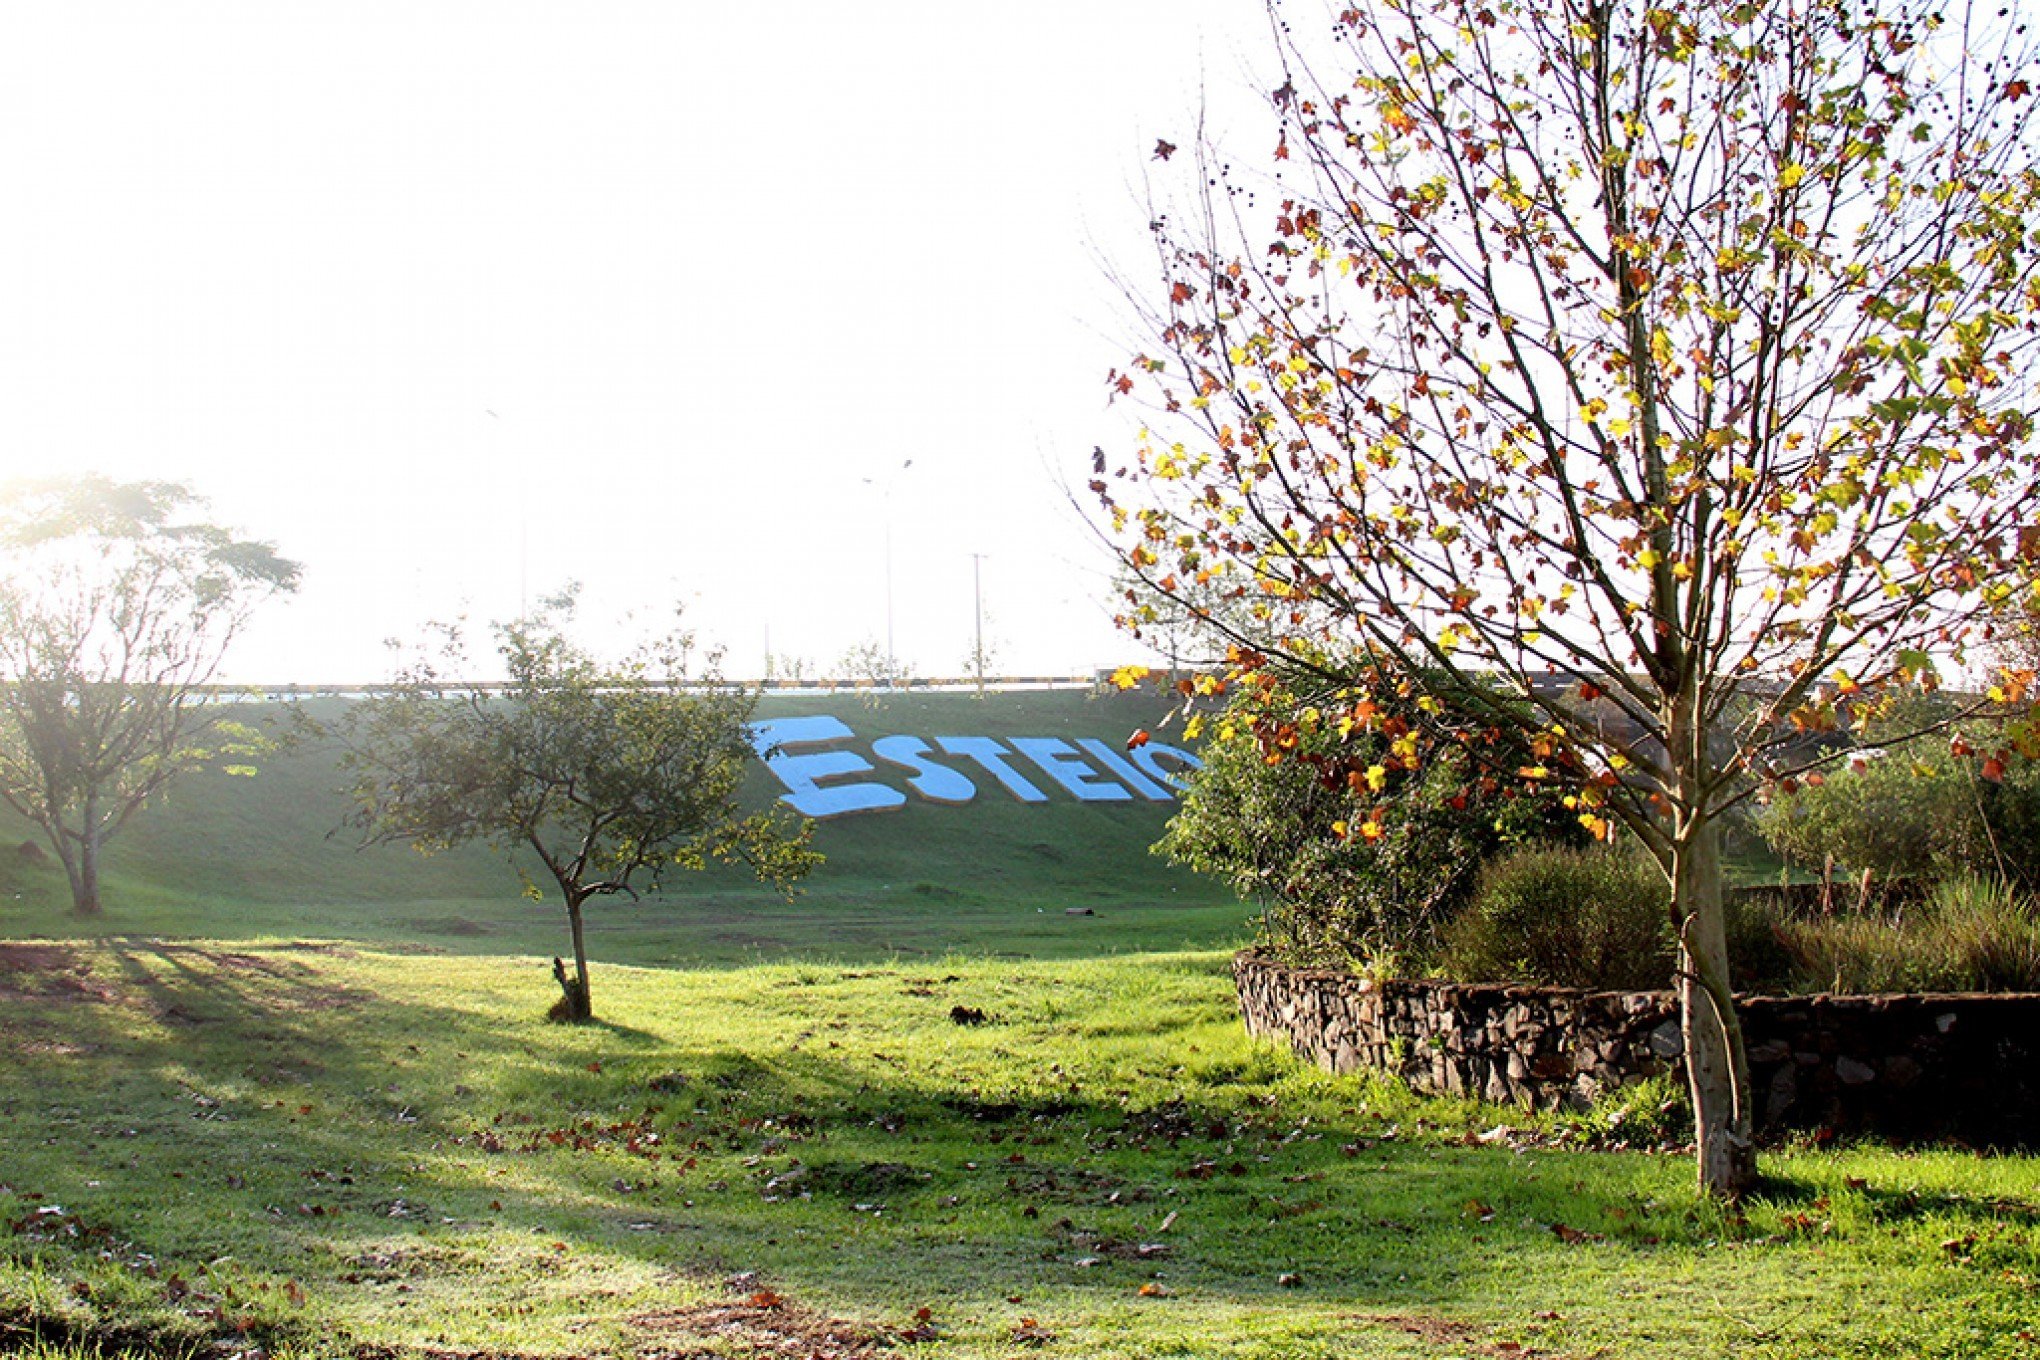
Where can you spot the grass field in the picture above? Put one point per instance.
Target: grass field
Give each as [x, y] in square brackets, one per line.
[291, 1100]
[317, 1149]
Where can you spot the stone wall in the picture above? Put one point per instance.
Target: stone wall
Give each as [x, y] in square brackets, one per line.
[1909, 1067]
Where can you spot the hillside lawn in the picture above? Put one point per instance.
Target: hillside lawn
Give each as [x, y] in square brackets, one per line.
[288, 1099]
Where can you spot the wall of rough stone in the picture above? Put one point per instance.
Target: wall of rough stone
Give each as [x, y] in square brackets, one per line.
[1958, 1067]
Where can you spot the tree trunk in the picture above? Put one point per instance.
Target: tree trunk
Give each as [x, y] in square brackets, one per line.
[1717, 1069]
[80, 854]
[574, 1005]
[85, 888]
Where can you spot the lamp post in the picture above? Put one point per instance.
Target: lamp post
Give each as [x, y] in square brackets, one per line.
[885, 486]
[977, 591]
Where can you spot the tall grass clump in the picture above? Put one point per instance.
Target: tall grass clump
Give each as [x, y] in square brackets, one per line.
[1971, 934]
[1592, 918]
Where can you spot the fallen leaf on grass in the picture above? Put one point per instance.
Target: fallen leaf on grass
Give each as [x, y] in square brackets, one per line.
[1151, 1290]
[1028, 1332]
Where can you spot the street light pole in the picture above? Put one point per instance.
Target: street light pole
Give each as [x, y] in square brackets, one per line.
[885, 486]
[977, 590]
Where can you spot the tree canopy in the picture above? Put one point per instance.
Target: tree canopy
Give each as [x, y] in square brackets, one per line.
[1666, 364]
[608, 774]
[118, 603]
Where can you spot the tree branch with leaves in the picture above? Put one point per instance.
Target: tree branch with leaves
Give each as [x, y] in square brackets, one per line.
[1666, 365]
[608, 775]
[118, 604]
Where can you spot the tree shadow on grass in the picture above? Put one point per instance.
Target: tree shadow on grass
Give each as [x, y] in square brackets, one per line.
[274, 1106]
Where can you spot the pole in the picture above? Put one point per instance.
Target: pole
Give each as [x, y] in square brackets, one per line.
[977, 590]
[892, 669]
[885, 486]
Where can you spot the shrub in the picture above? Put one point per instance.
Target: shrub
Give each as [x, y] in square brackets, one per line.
[1283, 828]
[1596, 918]
[1913, 810]
[1895, 815]
[1970, 935]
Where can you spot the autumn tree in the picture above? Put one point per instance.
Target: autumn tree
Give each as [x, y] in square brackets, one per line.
[607, 774]
[1668, 365]
[118, 602]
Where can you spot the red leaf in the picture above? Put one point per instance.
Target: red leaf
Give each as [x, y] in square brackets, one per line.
[1137, 740]
[1180, 293]
[1164, 150]
[1994, 770]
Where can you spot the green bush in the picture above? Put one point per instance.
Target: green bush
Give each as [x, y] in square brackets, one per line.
[1896, 815]
[1281, 829]
[1913, 811]
[1595, 918]
[1970, 935]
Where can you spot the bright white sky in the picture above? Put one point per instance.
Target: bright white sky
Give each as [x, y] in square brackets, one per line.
[710, 265]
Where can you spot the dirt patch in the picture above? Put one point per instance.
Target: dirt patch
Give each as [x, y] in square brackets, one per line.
[756, 1327]
[1462, 1337]
[461, 926]
[50, 974]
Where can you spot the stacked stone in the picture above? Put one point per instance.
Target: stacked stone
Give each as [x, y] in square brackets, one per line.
[1965, 1067]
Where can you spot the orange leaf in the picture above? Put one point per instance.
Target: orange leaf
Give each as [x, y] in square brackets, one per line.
[1137, 740]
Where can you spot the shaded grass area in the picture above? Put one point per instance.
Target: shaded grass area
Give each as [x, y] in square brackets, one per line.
[700, 929]
[320, 1150]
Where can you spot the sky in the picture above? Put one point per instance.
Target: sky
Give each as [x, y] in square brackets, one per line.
[728, 306]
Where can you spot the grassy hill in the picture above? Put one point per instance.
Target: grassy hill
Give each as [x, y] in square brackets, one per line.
[252, 857]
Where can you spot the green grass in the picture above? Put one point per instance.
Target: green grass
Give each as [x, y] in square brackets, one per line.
[242, 857]
[347, 1131]
[325, 1149]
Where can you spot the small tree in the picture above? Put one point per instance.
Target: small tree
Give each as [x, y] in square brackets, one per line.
[872, 667]
[607, 774]
[118, 602]
[1665, 363]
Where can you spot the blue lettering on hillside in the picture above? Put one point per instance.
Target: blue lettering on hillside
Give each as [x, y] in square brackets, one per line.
[825, 776]
[778, 741]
